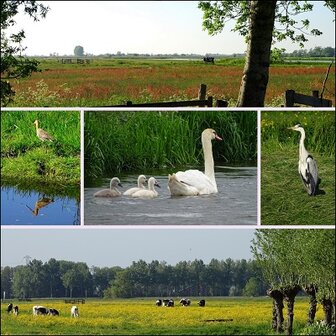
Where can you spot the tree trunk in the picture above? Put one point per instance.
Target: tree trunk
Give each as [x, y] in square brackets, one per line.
[327, 309]
[278, 319]
[311, 291]
[256, 71]
[289, 296]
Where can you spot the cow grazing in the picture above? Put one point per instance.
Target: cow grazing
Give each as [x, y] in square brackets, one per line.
[158, 302]
[208, 59]
[16, 310]
[185, 302]
[9, 308]
[53, 312]
[201, 303]
[168, 303]
[74, 311]
[40, 310]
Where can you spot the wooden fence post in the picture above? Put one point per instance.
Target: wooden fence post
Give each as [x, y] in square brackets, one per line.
[202, 92]
[289, 98]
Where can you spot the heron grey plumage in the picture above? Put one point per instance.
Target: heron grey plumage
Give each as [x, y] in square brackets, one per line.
[307, 165]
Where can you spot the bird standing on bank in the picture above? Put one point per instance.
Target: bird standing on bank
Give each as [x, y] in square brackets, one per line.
[307, 165]
[42, 134]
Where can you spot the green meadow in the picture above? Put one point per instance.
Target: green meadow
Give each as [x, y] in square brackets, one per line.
[109, 81]
[283, 198]
[220, 316]
[28, 161]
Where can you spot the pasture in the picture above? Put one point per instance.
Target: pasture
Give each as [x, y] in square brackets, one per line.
[283, 198]
[106, 82]
[240, 316]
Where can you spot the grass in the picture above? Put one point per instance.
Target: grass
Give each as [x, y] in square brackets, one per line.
[27, 160]
[128, 141]
[114, 81]
[283, 198]
[250, 316]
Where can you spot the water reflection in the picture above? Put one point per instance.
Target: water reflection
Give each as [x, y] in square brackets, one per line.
[235, 203]
[32, 207]
[42, 202]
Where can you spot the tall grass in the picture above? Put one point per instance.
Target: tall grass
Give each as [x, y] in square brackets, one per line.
[23, 153]
[128, 141]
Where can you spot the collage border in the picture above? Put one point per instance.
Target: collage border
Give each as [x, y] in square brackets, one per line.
[82, 110]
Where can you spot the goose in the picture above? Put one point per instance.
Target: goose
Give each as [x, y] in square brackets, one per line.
[112, 192]
[141, 186]
[150, 192]
[194, 182]
[42, 134]
[307, 165]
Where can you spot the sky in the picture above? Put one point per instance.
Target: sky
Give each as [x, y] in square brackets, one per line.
[120, 247]
[143, 27]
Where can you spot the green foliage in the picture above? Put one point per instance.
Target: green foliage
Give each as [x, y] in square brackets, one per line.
[126, 141]
[297, 257]
[217, 13]
[13, 64]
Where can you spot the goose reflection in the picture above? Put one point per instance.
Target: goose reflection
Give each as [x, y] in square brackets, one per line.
[42, 202]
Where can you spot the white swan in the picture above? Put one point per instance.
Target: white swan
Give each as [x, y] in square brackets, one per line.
[141, 186]
[150, 192]
[112, 192]
[193, 182]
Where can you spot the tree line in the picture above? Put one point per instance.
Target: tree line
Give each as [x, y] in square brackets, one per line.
[313, 52]
[60, 278]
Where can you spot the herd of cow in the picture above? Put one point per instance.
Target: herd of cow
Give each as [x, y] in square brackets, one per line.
[41, 310]
[184, 302]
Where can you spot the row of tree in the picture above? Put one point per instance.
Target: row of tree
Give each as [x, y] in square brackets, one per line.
[313, 52]
[293, 261]
[59, 278]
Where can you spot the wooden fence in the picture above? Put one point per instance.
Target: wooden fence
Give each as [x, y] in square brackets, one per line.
[76, 61]
[74, 301]
[202, 101]
[291, 97]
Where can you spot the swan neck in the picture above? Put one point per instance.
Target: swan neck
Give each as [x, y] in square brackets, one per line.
[209, 170]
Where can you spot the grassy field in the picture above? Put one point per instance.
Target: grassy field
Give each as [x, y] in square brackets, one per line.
[126, 141]
[283, 198]
[107, 82]
[244, 316]
[29, 161]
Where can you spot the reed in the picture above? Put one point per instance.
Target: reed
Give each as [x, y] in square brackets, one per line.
[133, 141]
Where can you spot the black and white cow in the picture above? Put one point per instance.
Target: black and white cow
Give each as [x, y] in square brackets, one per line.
[9, 308]
[40, 310]
[168, 303]
[53, 312]
[16, 310]
[185, 302]
[74, 311]
[201, 303]
[158, 302]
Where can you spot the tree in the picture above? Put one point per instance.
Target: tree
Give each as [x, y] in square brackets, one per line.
[79, 51]
[13, 64]
[297, 259]
[256, 21]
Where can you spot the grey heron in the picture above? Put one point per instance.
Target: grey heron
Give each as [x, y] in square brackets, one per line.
[307, 165]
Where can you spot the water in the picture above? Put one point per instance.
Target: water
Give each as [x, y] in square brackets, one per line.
[235, 203]
[35, 208]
